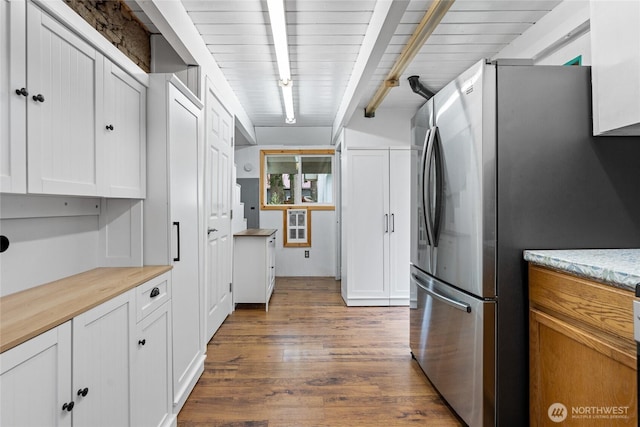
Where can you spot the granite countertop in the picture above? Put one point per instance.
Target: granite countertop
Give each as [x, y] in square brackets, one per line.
[616, 267]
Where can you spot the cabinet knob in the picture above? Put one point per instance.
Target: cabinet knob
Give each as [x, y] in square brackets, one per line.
[38, 98]
[22, 91]
[83, 391]
[109, 127]
[68, 406]
[154, 292]
[142, 342]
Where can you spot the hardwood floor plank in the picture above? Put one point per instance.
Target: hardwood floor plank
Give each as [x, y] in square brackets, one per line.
[311, 361]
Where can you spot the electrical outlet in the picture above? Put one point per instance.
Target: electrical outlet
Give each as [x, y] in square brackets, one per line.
[306, 254]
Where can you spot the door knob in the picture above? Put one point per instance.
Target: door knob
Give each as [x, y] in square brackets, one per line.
[211, 230]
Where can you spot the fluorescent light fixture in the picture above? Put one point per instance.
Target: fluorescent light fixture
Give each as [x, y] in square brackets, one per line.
[279, 32]
[287, 96]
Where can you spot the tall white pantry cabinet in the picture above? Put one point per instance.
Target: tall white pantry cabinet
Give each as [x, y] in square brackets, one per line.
[376, 226]
[172, 220]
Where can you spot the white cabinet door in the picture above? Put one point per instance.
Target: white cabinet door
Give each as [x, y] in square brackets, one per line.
[35, 381]
[124, 133]
[368, 226]
[13, 98]
[186, 299]
[102, 347]
[172, 222]
[151, 381]
[64, 80]
[615, 69]
[400, 225]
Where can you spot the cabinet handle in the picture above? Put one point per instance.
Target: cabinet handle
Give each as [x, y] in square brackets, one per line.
[211, 230]
[142, 342]
[155, 292]
[177, 225]
[109, 127]
[83, 391]
[22, 91]
[68, 406]
[393, 223]
[38, 98]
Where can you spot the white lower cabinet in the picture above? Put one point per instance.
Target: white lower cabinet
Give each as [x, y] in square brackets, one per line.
[152, 374]
[102, 344]
[35, 380]
[99, 369]
[254, 266]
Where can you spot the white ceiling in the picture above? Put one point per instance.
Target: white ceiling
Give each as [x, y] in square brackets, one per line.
[326, 40]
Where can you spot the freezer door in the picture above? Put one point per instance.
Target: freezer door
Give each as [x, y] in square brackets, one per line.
[452, 338]
[463, 116]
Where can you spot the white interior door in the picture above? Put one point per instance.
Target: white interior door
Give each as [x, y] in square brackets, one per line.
[218, 252]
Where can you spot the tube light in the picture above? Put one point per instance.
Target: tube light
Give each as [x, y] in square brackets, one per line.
[279, 32]
[287, 96]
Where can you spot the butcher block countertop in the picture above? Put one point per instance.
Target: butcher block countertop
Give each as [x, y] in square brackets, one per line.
[256, 232]
[616, 267]
[26, 314]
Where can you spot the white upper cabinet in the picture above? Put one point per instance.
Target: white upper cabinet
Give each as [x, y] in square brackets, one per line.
[13, 96]
[64, 79]
[124, 133]
[615, 53]
[72, 121]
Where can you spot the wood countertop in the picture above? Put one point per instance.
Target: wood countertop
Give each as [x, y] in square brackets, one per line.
[26, 314]
[256, 232]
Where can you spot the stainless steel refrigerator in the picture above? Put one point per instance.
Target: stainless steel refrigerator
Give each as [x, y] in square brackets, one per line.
[505, 160]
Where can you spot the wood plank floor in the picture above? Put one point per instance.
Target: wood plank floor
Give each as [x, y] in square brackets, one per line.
[312, 361]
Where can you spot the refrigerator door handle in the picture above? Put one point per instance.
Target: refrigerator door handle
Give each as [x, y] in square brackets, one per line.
[447, 300]
[437, 153]
[423, 167]
[426, 186]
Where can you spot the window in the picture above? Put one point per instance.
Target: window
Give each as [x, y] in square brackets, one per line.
[297, 225]
[296, 178]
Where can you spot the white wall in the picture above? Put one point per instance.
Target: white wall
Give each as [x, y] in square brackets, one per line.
[293, 136]
[42, 250]
[291, 261]
[391, 127]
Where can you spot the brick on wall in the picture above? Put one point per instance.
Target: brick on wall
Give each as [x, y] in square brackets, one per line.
[115, 21]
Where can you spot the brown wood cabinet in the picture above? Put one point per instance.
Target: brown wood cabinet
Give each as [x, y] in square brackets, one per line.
[582, 352]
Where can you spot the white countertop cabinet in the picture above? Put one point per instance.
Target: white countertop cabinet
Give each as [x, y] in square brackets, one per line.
[152, 355]
[254, 266]
[35, 380]
[101, 368]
